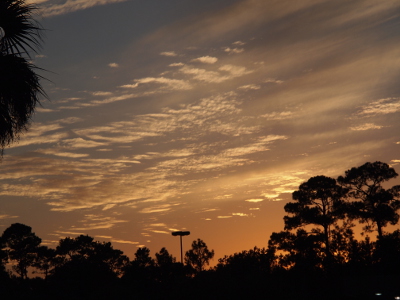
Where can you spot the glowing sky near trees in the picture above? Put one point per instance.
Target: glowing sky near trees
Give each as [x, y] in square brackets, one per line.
[199, 115]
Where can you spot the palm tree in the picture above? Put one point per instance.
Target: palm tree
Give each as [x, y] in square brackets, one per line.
[20, 86]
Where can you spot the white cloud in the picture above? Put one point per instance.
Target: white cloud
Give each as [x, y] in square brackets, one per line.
[259, 146]
[99, 93]
[176, 64]
[156, 209]
[273, 80]
[278, 115]
[113, 65]
[254, 200]
[206, 59]
[382, 106]
[234, 50]
[213, 76]
[240, 214]
[80, 143]
[169, 53]
[44, 110]
[124, 242]
[4, 217]
[170, 84]
[249, 87]
[366, 126]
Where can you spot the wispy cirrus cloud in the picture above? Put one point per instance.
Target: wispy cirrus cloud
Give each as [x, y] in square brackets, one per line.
[95, 222]
[278, 115]
[223, 73]
[249, 87]
[233, 50]
[169, 53]
[50, 9]
[170, 84]
[4, 217]
[380, 107]
[366, 126]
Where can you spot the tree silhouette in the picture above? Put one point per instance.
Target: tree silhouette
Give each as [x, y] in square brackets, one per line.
[300, 250]
[163, 258]
[84, 248]
[167, 268]
[256, 261]
[372, 202]
[44, 260]
[74, 248]
[20, 87]
[143, 258]
[22, 246]
[318, 202]
[199, 256]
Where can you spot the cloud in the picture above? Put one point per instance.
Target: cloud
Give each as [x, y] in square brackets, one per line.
[158, 224]
[36, 1]
[249, 87]
[113, 65]
[176, 64]
[234, 50]
[240, 214]
[108, 206]
[79, 142]
[5, 217]
[366, 126]
[168, 84]
[100, 93]
[64, 154]
[380, 107]
[94, 222]
[235, 71]
[254, 200]
[278, 115]
[259, 146]
[156, 209]
[41, 133]
[214, 76]
[273, 80]
[44, 110]
[50, 10]
[206, 59]
[169, 53]
[124, 241]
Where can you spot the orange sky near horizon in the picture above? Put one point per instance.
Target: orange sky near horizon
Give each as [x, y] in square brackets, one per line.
[199, 115]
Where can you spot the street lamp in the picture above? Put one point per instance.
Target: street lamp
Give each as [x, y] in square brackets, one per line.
[181, 234]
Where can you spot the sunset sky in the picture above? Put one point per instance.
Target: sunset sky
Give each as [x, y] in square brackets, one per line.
[199, 115]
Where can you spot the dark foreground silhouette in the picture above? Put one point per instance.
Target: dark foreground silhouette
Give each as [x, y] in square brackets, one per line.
[316, 256]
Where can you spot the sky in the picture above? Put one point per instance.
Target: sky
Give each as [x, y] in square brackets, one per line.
[199, 115]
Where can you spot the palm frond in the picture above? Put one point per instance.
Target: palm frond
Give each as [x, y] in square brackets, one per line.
[20, 90]
[22, 32]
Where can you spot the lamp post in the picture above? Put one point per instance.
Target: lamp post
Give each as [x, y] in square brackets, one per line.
[181, 233]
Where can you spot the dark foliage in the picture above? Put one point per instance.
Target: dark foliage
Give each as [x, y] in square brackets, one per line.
[292, 267]
[372, 204]
[20, 87]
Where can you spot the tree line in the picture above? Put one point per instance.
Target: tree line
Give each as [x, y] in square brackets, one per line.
[316, 256]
